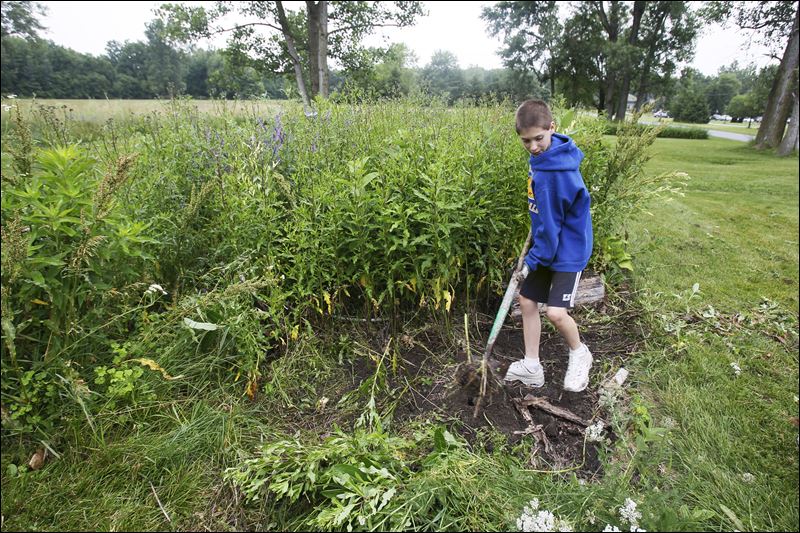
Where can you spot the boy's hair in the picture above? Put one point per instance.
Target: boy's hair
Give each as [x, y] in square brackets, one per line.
[533, 113]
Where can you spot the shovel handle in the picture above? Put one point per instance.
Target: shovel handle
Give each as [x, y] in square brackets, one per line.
[500, 318]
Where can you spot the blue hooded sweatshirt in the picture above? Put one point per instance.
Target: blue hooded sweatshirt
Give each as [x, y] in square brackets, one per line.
[558, 202]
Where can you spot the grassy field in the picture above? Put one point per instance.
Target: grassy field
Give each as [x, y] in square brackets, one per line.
[99, 111]
[704, 445]
[735, 234]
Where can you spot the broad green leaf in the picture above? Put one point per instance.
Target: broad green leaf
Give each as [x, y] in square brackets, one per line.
[207, 326]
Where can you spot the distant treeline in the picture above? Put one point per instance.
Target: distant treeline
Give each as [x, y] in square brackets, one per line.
[153, 69]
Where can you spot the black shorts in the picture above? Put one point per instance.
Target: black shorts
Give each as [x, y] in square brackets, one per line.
[556, 289]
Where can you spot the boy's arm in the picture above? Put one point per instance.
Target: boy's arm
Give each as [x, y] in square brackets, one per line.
[552, 209]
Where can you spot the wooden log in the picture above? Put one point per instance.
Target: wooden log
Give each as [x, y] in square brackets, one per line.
[547, 407]
[590, 290]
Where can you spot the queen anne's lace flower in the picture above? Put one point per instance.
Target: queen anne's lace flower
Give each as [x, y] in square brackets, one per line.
[533, 519]
[628, 513]
[155, 287]
[736, 369]
[594, 433]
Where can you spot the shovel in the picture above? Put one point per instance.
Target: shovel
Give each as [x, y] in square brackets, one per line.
[489, 363]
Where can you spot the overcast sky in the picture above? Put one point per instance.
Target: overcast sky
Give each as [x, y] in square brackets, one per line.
[455, 26]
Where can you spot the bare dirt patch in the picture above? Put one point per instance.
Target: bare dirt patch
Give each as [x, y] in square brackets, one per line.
[440, 384]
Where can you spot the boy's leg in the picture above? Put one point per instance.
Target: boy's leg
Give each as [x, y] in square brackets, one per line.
[565, 325]
[533, 290]
[562, 297]
[531, 327]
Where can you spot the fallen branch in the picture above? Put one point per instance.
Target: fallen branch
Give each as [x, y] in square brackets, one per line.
[544, 405]
[533, 429]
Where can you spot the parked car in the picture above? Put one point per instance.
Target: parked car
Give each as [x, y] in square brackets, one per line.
[661, 114]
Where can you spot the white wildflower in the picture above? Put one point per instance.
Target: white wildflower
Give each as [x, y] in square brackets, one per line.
[533, 519]
[155, 287]
[610, 528]
[637, 528]
[608, 399]
[669, 423]
[628, 513]
[747, 477]
[594, 433]
[736, 369]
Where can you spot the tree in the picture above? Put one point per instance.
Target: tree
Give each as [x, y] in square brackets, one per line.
[383, 72]
[443, 77]
[164, 65]
[690, 104]
[668, 35]
[301, 41]
[531, 33]
[19, 19]
[722, 89]
[774, 22]
[742, 105]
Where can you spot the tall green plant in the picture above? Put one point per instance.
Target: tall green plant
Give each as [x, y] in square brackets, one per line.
[66, 244]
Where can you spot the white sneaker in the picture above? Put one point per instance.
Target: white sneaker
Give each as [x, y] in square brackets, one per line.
[577, 377]
[529, 373]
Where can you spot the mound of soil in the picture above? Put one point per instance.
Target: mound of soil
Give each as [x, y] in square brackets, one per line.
[447, 387]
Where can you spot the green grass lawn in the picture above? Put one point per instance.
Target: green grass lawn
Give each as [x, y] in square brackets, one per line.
[735, 233]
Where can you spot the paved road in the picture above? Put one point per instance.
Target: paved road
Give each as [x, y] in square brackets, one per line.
[732, 136]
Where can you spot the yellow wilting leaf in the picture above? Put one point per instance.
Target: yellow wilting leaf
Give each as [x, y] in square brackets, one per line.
[38, 301]
[449, 299]
[295, 332]
[149, 363]
[252, 386]
[328, 301]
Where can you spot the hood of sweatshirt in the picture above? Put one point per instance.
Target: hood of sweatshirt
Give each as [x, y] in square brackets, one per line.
[563, 154]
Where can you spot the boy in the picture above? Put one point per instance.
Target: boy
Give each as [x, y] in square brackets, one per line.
[561, 229]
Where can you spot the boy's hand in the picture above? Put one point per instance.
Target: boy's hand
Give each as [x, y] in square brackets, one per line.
[523, 273]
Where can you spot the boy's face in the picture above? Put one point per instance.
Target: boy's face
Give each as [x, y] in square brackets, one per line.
[536, 139]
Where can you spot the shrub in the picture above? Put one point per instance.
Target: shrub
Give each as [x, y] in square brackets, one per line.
[668, 132]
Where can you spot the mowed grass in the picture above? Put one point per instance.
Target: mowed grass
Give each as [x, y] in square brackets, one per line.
[735, 233]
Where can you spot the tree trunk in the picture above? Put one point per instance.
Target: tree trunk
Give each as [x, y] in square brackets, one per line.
[644, 77]
[298, 69]
[322, 49]
[318, 46]
[633, 37]
[312, 21]
[789, 142]
[601, 100]
[779, 104]
[611, 25]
